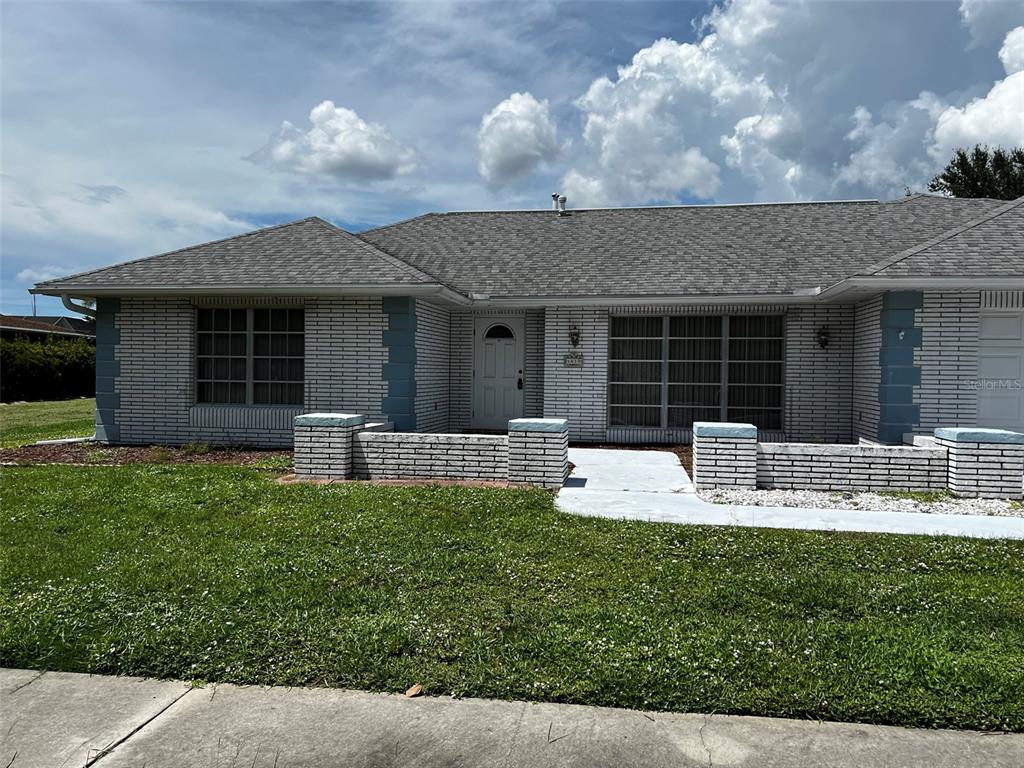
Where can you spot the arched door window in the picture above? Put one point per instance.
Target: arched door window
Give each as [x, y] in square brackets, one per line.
[499, 332]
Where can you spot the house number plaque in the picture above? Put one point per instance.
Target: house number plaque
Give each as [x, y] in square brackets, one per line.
[573, 359]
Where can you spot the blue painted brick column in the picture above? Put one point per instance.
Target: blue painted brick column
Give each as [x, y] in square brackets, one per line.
[897, 411]
[400, 369]
[107, 370]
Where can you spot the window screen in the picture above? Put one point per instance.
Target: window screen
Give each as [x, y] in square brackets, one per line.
[673, 371]
[250, 356]
[635, 368]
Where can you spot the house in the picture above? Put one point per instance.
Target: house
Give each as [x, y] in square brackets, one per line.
[835, 321]
[78, 325]
[42, 328]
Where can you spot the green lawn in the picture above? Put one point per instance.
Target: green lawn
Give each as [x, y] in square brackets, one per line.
[218, 573]
[22, 423]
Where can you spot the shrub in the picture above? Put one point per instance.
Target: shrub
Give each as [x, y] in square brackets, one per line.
[55, 369]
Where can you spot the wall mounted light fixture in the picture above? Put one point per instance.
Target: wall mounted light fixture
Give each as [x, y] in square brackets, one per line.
[574, 335]
[823, 336]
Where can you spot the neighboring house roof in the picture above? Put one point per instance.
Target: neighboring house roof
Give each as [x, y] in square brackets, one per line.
[302, 254]
[63, 323]
[27, 325]
[715, 250]
[669, 251]
[991, 245]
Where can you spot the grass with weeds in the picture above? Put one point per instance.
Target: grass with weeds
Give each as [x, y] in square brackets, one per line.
[196, 449]
[23, 423]
[925, 497]
[280, 463]
[220, 574]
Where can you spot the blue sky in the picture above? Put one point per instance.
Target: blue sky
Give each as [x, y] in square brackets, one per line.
[130, 129]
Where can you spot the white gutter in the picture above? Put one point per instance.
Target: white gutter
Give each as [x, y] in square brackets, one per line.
[923, 283]
[81, 309]
[644, 300]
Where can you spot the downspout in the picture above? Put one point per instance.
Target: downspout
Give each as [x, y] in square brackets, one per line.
[81, 309]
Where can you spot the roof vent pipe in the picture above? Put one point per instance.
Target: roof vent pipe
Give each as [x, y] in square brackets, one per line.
[561, 205]
[554, 201]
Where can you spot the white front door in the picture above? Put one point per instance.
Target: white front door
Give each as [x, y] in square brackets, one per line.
[498, 372]
[1001, 370]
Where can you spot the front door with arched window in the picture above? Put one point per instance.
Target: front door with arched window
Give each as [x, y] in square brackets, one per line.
[498, 376]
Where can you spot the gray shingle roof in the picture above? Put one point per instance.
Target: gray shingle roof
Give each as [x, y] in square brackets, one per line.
[309, 252]
[987, 246]
[665, 251]
[684, 250]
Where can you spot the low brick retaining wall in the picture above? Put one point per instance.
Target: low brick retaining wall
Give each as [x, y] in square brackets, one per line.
[987, 463]
[850, 467]
[412, 455]
[340, 446]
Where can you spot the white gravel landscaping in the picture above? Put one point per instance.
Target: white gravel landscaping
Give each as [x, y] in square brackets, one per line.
[875, 502]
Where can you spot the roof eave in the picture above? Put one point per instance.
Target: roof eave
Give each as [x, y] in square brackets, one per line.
[96, 291]
[608, 300]
[994, 282]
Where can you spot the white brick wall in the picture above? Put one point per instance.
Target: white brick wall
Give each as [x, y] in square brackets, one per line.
[345, 355]
[403, 455]
[724, 462]
[948, 358]
[433, 344]
[866, 368]
[324, 451]
[157, 360]
[850, 467]
[577, 394]
[538, 458]
[819, 382]
[156, 352]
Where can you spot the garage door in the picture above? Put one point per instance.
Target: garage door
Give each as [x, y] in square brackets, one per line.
[1001, 370]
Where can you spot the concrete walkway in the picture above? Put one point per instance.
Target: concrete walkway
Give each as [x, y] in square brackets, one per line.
[653, 486]
[59, 719]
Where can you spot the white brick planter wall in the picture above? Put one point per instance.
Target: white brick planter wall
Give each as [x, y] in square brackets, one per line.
[422, 456]
[724, 455]
[988, 463]
[343, 446]
[814, 467]
[538, 451]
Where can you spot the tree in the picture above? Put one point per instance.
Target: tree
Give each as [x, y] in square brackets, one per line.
[982, 172]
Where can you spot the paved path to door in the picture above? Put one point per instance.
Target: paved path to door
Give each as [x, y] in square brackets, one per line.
[653, 486]
[59, 719]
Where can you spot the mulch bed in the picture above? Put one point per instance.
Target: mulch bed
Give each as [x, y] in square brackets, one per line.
[93, 453]
[684, 452]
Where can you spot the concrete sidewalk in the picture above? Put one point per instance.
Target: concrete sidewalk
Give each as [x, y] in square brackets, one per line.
[653, 486]
[58, 719]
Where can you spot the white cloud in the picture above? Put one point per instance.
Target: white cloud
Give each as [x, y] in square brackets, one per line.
[648, 128]
[515, 138]
[341, 145]
[989, 20]
[758, 147]
[889, 154]
[743, 22]
[1012, 52]
[994, 119]
[138, 224]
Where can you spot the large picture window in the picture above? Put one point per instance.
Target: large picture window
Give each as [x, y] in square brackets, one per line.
[250, 356]
[668, 372]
